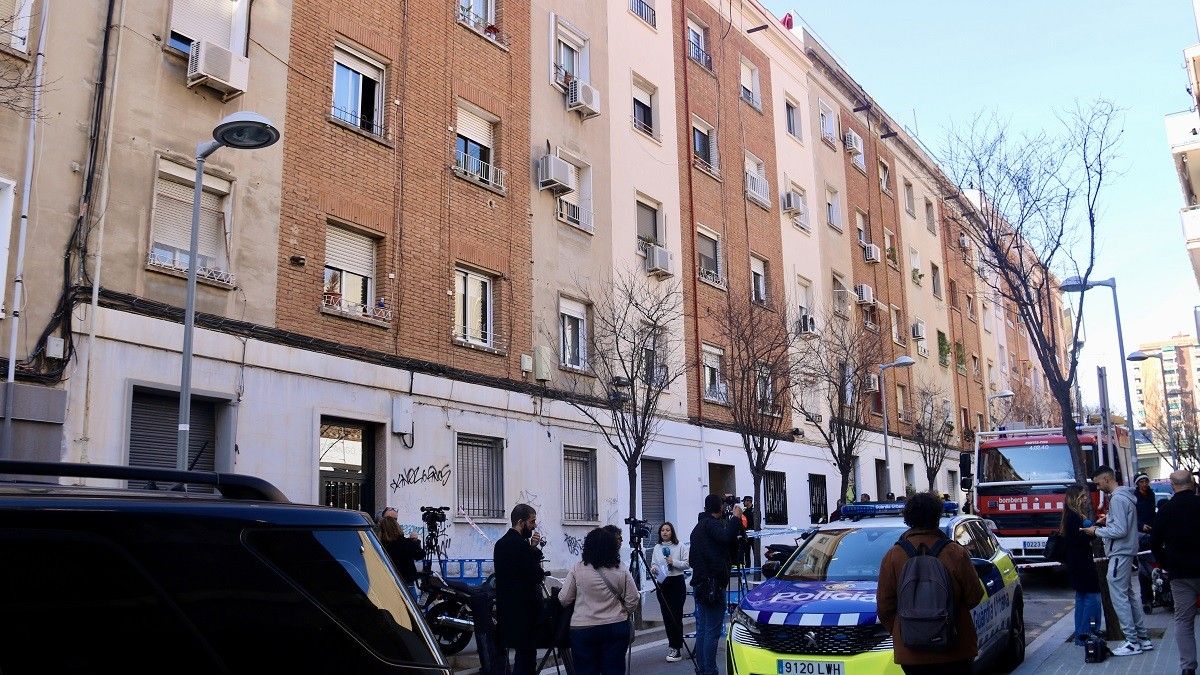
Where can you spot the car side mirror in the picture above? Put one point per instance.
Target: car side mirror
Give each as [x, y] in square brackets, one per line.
[989, 574]
[770, 569]
[966, 479]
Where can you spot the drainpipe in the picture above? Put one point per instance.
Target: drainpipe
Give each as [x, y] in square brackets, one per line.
[6, 447]
[692, 226]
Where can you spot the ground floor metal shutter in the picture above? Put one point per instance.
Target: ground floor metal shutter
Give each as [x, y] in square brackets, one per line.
[153, 430]
[818, 499]
[654, 504]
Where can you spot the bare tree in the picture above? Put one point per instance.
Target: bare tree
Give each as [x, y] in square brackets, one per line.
[836, 369]
[933, 429]
[1031, 406]
[1182, 433]
[758, 368]
[619, 370]
[1027, 207]
[16, 75]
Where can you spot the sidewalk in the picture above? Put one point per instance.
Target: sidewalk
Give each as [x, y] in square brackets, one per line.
[1052, 651]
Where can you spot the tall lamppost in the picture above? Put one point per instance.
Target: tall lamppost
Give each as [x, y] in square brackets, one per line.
[241, 131]
[1139, 356]
[1075, 284]
[902, 362]
[1003, 393]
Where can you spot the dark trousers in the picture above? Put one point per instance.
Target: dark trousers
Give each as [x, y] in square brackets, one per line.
[600, 650]
[670, 599]
[524, 662]
[951, 668]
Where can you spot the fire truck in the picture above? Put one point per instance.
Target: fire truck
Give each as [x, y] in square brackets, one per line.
[1020, 476]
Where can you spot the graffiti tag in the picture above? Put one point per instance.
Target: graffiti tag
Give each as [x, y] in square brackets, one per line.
[421, 474]
[574, 544]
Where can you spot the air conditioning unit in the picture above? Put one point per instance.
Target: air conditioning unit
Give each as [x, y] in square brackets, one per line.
[806, 325]
[852, 141]
[660, 261]
[583, 99]
[554, 174]
[214, 66]
[791, 202]
[918, 330]
[866, 294]
[922, 349]
[814, 419]
[871, 253]
[964, 242]
[872, 383]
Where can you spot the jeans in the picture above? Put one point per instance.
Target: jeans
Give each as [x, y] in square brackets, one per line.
[1127, 605]
[709, 619]
[671, 601]
[1185, 591]
[600, 650]
[1087, 615]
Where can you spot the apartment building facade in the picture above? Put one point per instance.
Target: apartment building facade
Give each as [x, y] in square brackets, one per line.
[1165, 387]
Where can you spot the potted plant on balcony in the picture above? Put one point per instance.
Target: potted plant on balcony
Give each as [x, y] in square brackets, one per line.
[492, 31]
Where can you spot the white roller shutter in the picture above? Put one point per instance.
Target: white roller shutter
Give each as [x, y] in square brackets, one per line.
[748, 77]
[350, 251]
[209, 20]
[642, 96]
[474, 127]
[572, 197]
[173, 220]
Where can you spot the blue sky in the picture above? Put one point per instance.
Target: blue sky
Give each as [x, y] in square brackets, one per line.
[947, 60]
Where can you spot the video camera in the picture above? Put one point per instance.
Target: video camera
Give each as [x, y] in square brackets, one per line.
[729, 501]
[638, 528]
[432, 515]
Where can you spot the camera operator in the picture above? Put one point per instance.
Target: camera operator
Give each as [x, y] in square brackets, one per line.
[712, 539]
[518, 572]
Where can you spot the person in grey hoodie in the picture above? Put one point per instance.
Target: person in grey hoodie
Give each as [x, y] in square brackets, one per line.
[1120, 535]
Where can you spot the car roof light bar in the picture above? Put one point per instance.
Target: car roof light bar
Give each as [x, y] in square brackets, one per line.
[882, 509]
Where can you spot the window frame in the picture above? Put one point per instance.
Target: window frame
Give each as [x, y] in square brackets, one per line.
[709, 162]
[715, 388]
[910, 199]
[827, 122]
[650, 127]
[590, 491]
[717, 276]
[759, 288]
[462, 301]
[793, 119]
[171, 171]
[833, 208]
[352, 59]
[573, 311]
[885, 177]
[494, 510]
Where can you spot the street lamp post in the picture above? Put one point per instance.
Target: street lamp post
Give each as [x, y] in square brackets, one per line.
[241, 131]
[1004, 393]
[902, 362]
[1162, 369]
[1076, 284]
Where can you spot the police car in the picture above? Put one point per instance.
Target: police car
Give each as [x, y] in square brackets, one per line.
[816, 616]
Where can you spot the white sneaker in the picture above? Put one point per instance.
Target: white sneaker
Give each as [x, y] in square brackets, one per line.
[1127, 649]
[673, 655]
[1146, 645]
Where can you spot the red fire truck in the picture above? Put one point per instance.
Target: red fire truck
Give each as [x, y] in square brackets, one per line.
[1020, 476]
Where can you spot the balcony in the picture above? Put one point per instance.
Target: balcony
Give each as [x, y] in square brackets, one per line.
[333, 303]
[712, 276]
[643, 11]
[758, 190]
[476, 171]
[178, 264]
[718, 393]
[482, 26]
[696, 53]
[705, 165]
[574, 214]
[1190, 218]
[487, 341]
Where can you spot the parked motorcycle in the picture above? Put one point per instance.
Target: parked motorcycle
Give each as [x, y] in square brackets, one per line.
[450, 608]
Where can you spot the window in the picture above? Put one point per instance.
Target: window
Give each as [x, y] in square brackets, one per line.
[800, 220]
[914, 263]
[935, 278]
[647, 224]
[191, 21]
[960, 357]
[574, 207]
[854, 145]
[818, 500]
[870, 317]
[1003, 358]
[833, 208]
[644, 10]
[349, 271]
[573, 336]
[714, 382]
[750, 92]
[841, 295]
[358, 90]
[791, 120]
[975, 366]
[775, 498]
[889, 247]
[653, 368]
[986, 310]
[827, 121]
[580, 496]
[473, 307]
[991, 373]
[909, 198]
[643, 109]
[566, 61]
[902, 403]
[698, 44]
[910, 480]
[708, 248]
[943, 349]
[704, 147]
[480, 481]
[757, 187]
[885, 177]
[898, 334]
[758, 280]
[860, 221]
[965, 418]
[979, 426]
[953, 292]
[473, 148]
[764, 391]
[804, 297]
[930, 221]
[171, 231]
[875, 399]
[970, 300]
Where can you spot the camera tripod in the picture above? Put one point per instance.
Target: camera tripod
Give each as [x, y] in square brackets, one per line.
[639, 553]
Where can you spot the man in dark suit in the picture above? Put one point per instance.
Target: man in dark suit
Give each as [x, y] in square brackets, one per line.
[518, 563]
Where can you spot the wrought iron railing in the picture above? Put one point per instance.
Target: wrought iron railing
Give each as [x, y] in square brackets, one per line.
[643, 11]
[575, 214]
[472, 168]
[696, 53]
[758, 189]
[337, 303]
[481, 25]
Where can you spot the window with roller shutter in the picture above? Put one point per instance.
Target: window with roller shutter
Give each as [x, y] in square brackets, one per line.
[170, 237]
[203, 20]
[14, 18]
[349, 270]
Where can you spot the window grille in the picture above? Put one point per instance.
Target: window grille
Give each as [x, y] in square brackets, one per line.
[480, 476]
[580, 499]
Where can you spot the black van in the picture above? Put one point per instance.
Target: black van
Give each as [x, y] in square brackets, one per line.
[194, 572]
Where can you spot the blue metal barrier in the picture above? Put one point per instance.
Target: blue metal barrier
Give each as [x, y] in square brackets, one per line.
[467, 570]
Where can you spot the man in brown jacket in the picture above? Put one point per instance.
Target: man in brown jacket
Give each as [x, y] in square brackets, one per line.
[921, 514]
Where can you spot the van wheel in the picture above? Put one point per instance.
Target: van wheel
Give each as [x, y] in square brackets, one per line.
[1014, 652]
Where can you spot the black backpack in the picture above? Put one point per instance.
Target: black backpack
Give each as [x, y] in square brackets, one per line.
[925, 599]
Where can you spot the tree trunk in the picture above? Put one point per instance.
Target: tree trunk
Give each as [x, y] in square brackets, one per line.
[634, 564]
[1068, 427]
[931, 475]
[845, 476]
[756, 545]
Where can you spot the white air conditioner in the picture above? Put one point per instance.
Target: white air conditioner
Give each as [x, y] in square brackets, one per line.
[872, 383]
[964, 242]
[866, 294]
[918, 330]
[922, 350]
[659, 260]
[851, 141]
[583, 99]
[214, 66]
[806, 325]
[814, 419]
[554, 174]
[871, 253]
[791, 202]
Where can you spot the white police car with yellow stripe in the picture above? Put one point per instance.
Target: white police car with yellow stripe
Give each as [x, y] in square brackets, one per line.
[817, 615]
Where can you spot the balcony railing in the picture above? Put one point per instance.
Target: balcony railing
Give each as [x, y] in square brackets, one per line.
[645, 127]
[712, 276]
[752, 98]
[337, 303]
[574, 214]
[488, 340]
[473, 169]
[697, 54]
[481, 25]
[758, 189]
[643, 11]
[718, 393]
[562, 76]
[202, 272]
[1183, 130]
[357, 120]
[1190, 217]
[704, 164]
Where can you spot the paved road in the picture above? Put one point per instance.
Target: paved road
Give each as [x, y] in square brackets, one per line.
[1047, 598]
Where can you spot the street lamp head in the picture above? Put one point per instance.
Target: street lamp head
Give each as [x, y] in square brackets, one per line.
[903, 362]
[1004, 393]
[1140, 355]
[245, 131]
[1078, 285]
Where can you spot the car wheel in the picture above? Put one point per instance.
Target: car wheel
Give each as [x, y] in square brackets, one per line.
[1014, 652]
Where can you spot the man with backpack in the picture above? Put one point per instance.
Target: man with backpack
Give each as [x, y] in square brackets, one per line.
[927, 588]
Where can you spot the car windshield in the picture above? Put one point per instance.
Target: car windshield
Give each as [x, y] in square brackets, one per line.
[1041, 462]
[843, 554]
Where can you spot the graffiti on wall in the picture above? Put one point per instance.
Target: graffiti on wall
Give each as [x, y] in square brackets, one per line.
[531, 498]
[574, 544]
[421, 474]
[610, 511]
